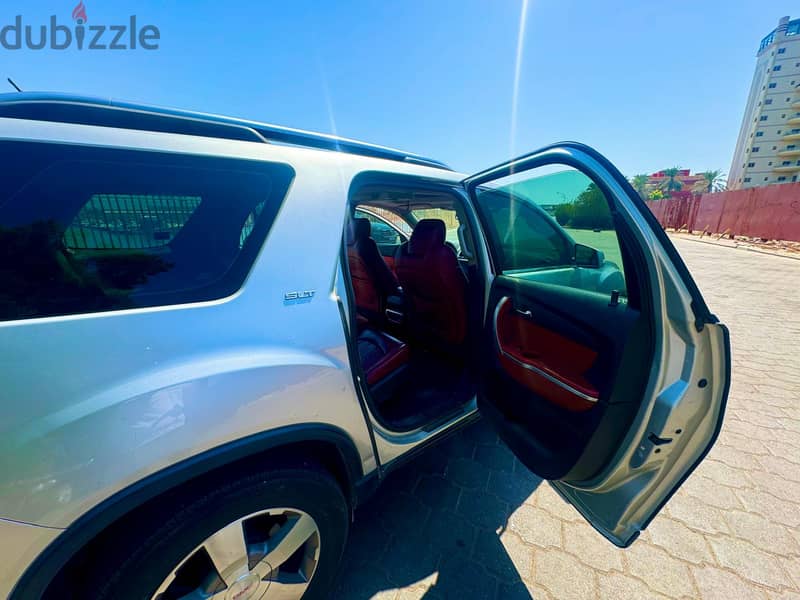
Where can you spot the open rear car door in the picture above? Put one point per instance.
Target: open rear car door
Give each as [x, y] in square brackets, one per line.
[602, 368]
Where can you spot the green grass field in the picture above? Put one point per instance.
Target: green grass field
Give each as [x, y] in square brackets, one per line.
[605, 240]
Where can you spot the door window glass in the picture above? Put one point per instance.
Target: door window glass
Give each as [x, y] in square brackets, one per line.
[95, 229]
[380, 231]
[553, 224]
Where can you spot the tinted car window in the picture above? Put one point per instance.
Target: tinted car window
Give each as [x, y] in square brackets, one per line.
[127, 221]
[91, 229]
[380, 231]
[376, 213]
[553, 224]
[524, 235]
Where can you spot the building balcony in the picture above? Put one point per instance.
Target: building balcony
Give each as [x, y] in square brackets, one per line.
[786, 169]
[792, 137]
[789, 153]
[795, 106]
[793, 121]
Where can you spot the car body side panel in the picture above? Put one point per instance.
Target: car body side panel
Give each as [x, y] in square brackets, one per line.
[102, 400]
[21, 543]
[97, 402]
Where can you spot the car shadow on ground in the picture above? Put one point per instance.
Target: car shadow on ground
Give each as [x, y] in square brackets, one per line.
[436, 523]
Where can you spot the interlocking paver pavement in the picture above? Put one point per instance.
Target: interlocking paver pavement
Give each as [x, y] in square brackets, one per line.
[466, 520]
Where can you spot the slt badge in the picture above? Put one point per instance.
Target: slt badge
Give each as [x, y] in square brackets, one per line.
[305, 295]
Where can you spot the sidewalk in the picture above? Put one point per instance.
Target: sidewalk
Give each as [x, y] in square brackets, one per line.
[786, 249]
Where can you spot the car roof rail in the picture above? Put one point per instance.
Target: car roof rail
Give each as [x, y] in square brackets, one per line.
[66, 108]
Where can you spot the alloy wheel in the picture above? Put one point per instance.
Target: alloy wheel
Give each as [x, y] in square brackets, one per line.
[270, 555]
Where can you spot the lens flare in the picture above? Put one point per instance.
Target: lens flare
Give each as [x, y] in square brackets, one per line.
[517, 74]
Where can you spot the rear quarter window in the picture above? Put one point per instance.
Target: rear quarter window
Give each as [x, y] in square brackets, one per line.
[87, 229]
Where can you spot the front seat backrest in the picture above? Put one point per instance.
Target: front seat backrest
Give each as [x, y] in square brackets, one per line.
[367, 248]
[373, 282]
[432, 280]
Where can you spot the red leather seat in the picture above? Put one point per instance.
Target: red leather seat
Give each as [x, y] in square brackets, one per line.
[434, 284]
[380, 354]
[372, 279]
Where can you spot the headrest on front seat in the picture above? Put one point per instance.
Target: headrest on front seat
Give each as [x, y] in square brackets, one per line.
[361, 229]
[428, 234]
[358, 230]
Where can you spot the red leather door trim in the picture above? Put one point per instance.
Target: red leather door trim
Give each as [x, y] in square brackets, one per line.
[544, 361]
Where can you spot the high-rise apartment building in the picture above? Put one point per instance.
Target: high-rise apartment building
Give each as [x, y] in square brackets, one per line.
[768, 148]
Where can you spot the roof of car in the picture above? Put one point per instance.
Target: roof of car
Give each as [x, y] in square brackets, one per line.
[66, 108]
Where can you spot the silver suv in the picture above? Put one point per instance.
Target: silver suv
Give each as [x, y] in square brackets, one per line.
[218, 336]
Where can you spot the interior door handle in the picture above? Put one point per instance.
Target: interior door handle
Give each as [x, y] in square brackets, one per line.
[525, 313]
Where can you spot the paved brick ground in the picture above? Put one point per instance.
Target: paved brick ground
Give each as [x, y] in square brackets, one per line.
[466, 520]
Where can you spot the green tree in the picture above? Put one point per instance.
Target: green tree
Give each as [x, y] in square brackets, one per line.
[714, 180]
[563, 214]
[639, 183]
[672, 183]
[590, 210]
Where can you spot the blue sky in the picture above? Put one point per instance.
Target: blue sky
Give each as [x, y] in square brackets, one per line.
[649, 84]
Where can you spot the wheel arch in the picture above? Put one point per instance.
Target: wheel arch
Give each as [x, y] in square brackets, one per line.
[322, 444]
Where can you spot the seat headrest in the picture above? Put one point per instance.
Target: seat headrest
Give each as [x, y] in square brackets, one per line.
[358, 230]
[361, 229]
[428, 234]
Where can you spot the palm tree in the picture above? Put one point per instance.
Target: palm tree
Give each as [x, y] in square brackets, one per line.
[639, 183]
[672, 183]
[714, 180]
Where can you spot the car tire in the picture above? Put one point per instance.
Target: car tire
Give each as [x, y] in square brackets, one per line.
[169, 549]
